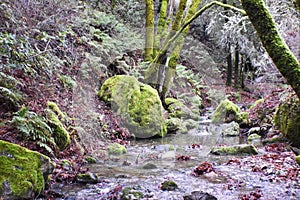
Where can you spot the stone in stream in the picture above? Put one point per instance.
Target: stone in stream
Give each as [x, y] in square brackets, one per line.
[241, 149]
[169, 185]
[199, 195]
[23, 173]
[139, 105]
[87, 178]
[231, 130]
[116, 148]
[130, 193]
[227, 112]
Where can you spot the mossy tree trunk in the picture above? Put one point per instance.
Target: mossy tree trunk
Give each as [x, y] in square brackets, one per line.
[173, 42]
[171, 69]
[276, 47]
[149, 30]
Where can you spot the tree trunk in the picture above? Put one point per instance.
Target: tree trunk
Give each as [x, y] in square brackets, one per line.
[276, 47]
[149, 30]
[229, 69]
[171, 70]
[236, 67]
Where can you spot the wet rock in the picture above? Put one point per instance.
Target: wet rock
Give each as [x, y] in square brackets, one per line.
[241, 149]
[90, 159]
[177, 109]
[253, 137]
[287, 119]
[116, 148]
[169, 185]
[173, 125]
[23, 173]
[227, 112]
[139, 104]
[231, 130]
[130, 193]
[149, 166]
[66, 165]
[199, 195]
[87, 178]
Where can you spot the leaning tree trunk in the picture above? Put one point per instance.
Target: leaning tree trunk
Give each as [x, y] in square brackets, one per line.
[277, 49]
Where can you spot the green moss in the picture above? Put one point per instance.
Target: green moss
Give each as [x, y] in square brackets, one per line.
[253, 137]
[243, 149]
[60, 134]
[53, 106]
[23, 170]
[116, 148]
[169, 185]
[138, 103]
[90, 159]
[87, 178]
[298, 159]
[67, 82]
[287, 120]
[174, 107]
[257, 102]
[226, 112]
[128, 192]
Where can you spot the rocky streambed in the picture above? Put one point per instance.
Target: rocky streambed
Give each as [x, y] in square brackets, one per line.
[185, 162]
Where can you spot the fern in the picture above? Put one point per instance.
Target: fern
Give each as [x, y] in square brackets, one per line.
[31, 126]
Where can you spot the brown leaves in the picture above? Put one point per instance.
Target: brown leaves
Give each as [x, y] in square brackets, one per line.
[203, 168]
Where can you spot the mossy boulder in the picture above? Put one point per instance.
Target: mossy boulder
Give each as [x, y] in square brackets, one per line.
[177, 109]
[130, 193]
[227, 112]
[169, 185]
[138, 103]
[231, 129]
[287, 120]
[116, 148]
[87, 178]
[23, 173]
[241, 149]
[253, 137]
[60, 134]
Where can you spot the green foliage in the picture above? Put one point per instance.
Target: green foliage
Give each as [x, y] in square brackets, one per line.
[34, 127]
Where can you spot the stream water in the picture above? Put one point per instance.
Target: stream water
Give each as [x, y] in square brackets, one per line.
[150, 162]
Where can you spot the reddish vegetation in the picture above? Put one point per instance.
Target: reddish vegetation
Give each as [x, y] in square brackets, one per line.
[203, 168]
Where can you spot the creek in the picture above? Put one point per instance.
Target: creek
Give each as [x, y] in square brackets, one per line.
[150, 162]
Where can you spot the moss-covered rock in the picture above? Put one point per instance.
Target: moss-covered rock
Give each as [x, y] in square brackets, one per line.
[130, 193]
[90, 159]
[231, 129]
[87, 178]
[253, 137]
[287, 120]
[298, 159]
[138, 103]
[116, 148]
[241, 149]
[169, 185]
[60, 134]
[177, 109]
[173, 125]
[23, 173]
[227, 112]
[9, 100]
[174, 107]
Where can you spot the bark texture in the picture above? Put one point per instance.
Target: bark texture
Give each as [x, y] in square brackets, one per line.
[149, 30]
[274, 44]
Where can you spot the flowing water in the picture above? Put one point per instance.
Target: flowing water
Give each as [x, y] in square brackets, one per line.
[150, 162]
